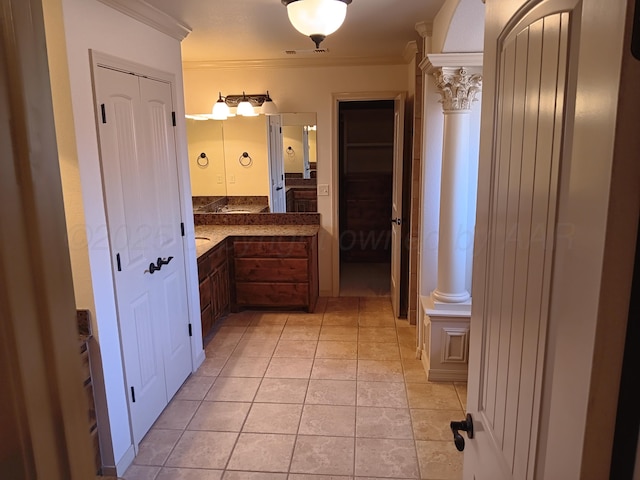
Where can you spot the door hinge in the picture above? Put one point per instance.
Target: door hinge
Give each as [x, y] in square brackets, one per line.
[118, 262]
[104, 113]
[182, 228]
[280, 129]
[173, 118]
[190, 331]
[133, 395]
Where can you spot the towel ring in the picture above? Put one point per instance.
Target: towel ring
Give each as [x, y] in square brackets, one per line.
[202, 160]
[245, 160]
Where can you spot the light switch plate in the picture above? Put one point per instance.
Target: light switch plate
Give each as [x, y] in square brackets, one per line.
[323, 189]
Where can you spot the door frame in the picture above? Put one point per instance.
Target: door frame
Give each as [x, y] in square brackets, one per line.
[336, 98]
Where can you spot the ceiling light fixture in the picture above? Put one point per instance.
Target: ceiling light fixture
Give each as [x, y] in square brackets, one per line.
[316, 18]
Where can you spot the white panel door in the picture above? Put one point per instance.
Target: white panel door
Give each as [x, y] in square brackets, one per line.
[396, 201]
[277, 197]
[140, 179]
[512, 299]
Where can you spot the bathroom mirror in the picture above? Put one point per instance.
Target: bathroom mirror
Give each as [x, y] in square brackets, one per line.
[219, 168]
[299, 143]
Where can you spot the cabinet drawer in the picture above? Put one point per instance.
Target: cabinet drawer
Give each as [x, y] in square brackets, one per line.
[217, 256]
[271, 269]
[270, 249]
[205, 293]
[272, 294]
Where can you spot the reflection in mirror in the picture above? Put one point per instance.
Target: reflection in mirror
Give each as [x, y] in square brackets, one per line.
[299, 143]
[208, 177]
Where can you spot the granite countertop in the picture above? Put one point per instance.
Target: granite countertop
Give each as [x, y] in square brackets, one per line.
[241, 208]
[217, 233]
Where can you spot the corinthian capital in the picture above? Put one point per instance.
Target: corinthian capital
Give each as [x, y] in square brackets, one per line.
[458, 87]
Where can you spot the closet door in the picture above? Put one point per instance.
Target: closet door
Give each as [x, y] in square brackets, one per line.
[140, 181]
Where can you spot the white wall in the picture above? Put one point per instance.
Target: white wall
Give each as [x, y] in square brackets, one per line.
[299, 89]
[92, 25]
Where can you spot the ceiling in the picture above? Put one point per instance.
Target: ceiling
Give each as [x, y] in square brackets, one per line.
[230, 30]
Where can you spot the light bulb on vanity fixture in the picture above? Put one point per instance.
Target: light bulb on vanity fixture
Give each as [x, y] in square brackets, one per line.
[244, 105]
[316, 18]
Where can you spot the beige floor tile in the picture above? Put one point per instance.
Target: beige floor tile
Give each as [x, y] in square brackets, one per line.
[139, 472]
[408, 352]
[338, 333]
[262, 452]
[177, 415]
[222, 351]
[342, 350]
[211, 366]
[321, 304]
[323, 455]
[300, 332]
[331, 392]
[370, 319]
[374, 304]
[380, 371]
[296, 349]
[255, 347]
[304, 476]
[334, 369]
[156, 446]
[461, 390]
[195, 388]
[282, 390]
[386, 458]
[434, 424]
[232, 475]
[263, 331]
[381, 394]
[269, 318]
[245, 367]
[228, 331]
[407, 336]
[240, 319]
[342, 304]
[273, 418]
[433, 396]
[305, 319]
[233, 389]
[220, 416]
[289, 368]
[331, 420]
[202, 450]
[345, 319]
[439, 460]
[414, 371]
[188, 474]
[377, 334]
[378, 351]
[374, 422]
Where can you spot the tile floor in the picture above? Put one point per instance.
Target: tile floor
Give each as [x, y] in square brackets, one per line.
[337, 394]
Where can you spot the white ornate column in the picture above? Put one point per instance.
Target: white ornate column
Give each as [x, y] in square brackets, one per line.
[459, 89]
[447, 310]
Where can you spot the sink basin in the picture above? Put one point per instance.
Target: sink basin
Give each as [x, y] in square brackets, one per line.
[202, 241]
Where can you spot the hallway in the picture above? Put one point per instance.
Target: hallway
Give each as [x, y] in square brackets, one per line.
[337, 394]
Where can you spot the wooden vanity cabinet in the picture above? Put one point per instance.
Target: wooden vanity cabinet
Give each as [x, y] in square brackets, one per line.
[213, 276]
[274, 272]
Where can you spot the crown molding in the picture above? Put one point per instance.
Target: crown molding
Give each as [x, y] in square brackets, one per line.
[433, 61]
[151, 16]
[410, 51]
[424, 29]
[293, 63]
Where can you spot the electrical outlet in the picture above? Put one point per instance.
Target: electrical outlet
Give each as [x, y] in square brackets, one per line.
[323, 189]
[219, 179]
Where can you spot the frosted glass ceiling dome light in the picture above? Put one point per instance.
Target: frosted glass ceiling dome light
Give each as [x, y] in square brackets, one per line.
[316, 18]
[220, 109]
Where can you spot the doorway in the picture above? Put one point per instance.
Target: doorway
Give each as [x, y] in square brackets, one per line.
[366, 161]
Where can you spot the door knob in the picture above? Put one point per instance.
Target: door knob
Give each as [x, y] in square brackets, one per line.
[466, 426]
[397, 221]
